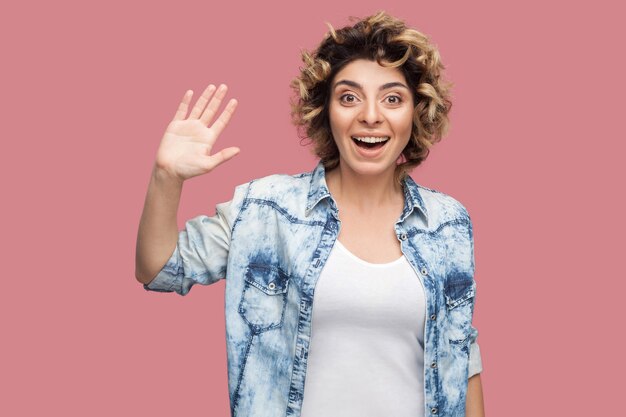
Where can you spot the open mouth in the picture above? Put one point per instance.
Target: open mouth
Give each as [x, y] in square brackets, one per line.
[371, 142]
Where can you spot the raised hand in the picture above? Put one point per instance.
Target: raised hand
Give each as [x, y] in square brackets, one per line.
[185, 150]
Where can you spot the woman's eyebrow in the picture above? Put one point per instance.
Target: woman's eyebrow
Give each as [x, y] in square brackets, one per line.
[360, 87]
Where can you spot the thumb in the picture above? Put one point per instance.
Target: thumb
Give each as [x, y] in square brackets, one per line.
[223, 156]
[229, 152]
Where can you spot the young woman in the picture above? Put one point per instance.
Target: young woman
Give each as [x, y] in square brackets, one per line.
[349, 289]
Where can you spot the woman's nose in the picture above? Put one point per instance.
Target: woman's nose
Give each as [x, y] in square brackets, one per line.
[371, 114]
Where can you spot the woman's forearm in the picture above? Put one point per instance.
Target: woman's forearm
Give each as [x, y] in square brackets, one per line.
[474, 406]
[158, 229]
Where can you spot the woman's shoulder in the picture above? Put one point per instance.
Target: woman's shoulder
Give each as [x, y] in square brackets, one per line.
[278, 187]
[441, 205]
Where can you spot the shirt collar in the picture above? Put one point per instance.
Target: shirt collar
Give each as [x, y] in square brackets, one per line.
[318, 190]
[412, 199]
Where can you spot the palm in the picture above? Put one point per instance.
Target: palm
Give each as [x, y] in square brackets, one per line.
[185, 150]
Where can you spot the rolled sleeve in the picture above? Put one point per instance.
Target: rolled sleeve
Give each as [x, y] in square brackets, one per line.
[475, 360]
[201, 253]
[169, 277]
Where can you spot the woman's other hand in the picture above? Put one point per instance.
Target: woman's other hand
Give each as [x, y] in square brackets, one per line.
[185, 150]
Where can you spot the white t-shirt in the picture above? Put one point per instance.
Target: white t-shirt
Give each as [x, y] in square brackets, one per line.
[366, 356]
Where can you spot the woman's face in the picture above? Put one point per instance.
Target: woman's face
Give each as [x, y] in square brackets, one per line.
[374, 104]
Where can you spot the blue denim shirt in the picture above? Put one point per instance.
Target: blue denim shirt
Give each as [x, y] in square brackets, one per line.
[270, 243]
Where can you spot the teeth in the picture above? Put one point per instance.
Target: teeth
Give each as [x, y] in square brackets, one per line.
[371, 139]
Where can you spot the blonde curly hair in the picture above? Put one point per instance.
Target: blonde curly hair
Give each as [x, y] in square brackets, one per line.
[388, 41]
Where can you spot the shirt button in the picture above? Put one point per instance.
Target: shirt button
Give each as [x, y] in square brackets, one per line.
[434, 410]
[433, 365]
[424, 271]
[433, 317]
[272, 286]
[403, 236]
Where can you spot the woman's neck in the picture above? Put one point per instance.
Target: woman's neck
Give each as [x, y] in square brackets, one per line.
[364, 193]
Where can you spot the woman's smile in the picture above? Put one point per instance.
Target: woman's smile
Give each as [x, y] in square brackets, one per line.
[370, 146]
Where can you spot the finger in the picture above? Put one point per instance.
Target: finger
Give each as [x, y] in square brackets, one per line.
[202, 101]
[222, 156]
[209, 112]
[222, 121]
[183, 106]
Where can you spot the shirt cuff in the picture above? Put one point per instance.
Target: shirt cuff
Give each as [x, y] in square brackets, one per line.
[475, 361]
[170, 276]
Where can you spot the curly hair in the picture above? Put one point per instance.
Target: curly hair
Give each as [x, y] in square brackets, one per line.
[388, 41]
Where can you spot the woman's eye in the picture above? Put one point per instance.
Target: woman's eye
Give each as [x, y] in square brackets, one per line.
[345, 98]
[395, 99]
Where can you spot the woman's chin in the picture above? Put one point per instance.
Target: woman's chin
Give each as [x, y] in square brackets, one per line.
[370, 168]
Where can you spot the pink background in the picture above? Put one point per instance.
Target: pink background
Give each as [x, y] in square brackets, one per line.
[534, 153]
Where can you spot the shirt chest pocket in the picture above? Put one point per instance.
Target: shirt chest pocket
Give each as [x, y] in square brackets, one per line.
[264, 297]
[459, 304]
